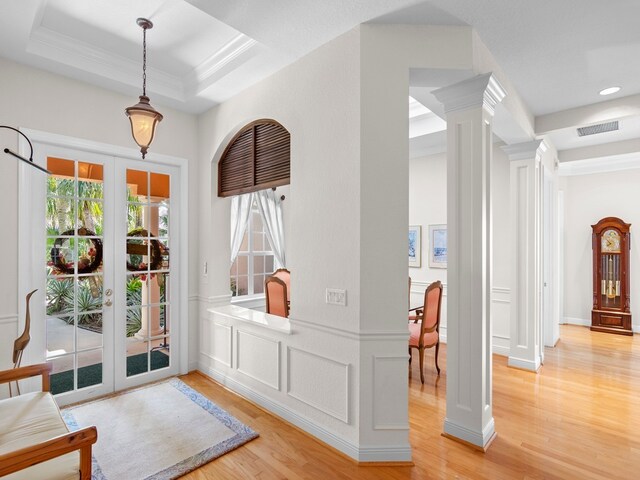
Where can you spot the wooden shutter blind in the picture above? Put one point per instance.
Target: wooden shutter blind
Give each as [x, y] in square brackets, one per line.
[257, 157]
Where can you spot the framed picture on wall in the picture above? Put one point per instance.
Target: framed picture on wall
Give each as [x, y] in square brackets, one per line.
[438, 246]
[415, 245]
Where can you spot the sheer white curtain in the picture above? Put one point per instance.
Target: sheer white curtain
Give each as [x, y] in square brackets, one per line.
[240, 210]
[270, 207]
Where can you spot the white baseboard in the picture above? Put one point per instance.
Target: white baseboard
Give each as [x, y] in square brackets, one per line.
[389, 453]
[479, 439]
[523, 364]
[392, 453]
[577, 321]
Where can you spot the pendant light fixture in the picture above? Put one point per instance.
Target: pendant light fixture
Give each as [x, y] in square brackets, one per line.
[144, 118]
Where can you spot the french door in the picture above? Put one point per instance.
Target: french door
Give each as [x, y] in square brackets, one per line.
[103, 260]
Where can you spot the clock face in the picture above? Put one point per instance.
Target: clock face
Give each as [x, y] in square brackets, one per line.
[611, 242]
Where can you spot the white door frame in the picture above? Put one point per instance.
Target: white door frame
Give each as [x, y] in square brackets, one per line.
[31, 198]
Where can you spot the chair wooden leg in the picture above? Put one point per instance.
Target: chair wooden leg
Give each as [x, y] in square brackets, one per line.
[421, 365]
[437, 350]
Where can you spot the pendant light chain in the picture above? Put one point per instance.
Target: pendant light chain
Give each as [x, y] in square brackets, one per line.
[144, 61]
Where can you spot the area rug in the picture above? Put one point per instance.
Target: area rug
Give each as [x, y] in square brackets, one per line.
[157, 432]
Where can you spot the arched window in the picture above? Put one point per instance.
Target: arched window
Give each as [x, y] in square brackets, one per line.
[257, 157]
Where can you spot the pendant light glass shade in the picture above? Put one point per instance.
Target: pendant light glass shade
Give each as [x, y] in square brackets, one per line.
[144, 119]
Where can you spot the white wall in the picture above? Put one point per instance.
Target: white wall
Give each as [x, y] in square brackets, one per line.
[587, 199]
[428, 206]
[39, 100]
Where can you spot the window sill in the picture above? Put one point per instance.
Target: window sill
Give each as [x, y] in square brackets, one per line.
[266, 320]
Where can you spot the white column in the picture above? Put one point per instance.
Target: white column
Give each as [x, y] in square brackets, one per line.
[469, 106]
[526, 313]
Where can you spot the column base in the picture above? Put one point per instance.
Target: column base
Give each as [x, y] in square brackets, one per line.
[142, 335]
[476, 440]
[522, 364]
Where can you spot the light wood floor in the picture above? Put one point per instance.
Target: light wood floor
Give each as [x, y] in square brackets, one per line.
[579, 418]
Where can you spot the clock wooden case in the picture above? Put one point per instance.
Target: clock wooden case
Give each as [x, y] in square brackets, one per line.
[611, 303]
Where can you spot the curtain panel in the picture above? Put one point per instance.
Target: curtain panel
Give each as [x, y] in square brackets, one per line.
[270, 207]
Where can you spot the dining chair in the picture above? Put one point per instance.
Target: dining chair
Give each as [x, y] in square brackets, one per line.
[276, 295]
[284, 275]
[425, 332]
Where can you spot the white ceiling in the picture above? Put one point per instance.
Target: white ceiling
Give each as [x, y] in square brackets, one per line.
[558, 54]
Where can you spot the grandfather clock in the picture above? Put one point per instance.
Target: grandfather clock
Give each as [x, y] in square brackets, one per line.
[611, 308]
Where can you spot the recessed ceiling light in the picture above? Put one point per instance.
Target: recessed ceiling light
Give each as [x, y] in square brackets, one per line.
[609, 91]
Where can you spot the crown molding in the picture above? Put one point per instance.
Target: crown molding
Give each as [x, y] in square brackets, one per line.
[60, 48]
[69, 51]
[230, 56]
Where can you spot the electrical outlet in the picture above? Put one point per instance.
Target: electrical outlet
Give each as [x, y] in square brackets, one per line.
[336, 296]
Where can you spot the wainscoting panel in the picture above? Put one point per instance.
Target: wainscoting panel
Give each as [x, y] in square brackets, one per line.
[258, 357]
[320, 382]
[206, 337]
[222, 343]
[385, 382]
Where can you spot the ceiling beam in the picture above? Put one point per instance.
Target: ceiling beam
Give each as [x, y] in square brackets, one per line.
[623, 147]
[589, 114]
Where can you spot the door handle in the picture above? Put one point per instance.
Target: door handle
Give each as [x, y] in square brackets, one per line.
[108, 303]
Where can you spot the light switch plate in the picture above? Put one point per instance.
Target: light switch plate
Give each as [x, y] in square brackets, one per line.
[336, 296]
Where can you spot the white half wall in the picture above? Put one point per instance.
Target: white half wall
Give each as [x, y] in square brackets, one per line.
[587, 199]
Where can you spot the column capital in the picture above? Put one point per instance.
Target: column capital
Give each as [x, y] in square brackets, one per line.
[524, 150]
[481, 90]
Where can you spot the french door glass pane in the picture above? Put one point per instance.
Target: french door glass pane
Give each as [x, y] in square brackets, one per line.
[60, 339]
[137, 357]
[62, 374]
[90, 180]
[63, 208]
[90, 368]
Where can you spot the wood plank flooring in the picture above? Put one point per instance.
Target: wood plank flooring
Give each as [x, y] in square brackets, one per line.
[578, 418]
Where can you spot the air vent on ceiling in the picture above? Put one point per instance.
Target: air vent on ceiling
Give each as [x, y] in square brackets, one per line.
[600, 128]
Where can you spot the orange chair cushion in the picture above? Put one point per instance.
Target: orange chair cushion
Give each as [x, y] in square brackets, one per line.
[430, 338]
